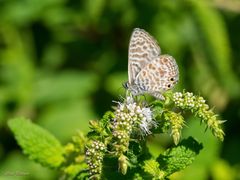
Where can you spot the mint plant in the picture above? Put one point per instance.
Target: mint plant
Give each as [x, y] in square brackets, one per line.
[116, 145]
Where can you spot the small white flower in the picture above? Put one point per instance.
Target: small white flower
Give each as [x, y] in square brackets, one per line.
[132, 114]
[147, 122]
[138, 111]
[129, 115]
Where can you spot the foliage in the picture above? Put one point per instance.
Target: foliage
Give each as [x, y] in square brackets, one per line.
[37, 143]
[119, 140]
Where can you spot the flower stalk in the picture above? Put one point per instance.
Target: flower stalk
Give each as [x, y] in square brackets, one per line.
[94, 157]
[176, 122]
[188, 101]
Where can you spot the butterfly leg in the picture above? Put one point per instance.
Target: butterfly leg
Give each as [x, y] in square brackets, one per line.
[158, 95]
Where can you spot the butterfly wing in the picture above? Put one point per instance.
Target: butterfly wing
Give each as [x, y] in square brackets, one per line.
[158, 76]
[143, 48]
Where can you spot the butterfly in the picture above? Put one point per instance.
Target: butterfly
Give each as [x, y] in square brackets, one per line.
[148, 70]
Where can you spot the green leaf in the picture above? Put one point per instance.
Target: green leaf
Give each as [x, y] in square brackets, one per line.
[152, 167]
[107, 117]
[100, 127]
[179, 157]
[37, 143]
[158, 110]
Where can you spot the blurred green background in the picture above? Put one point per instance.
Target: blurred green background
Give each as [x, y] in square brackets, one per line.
[63, 62]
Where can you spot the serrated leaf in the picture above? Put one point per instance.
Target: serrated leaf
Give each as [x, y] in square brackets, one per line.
[107, 117]
[177, 158]
[37, 143]
[137, 176]
[152, 167]
[104, 122]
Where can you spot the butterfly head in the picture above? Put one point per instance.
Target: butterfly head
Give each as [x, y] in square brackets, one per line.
[126, 85]
[133, 88]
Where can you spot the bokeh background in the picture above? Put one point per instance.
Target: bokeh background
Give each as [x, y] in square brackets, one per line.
[63, 62]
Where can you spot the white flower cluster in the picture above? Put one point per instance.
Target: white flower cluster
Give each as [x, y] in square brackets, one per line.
[200, 102]
[129, 115]
[94, 157]
[188, 100]
[182, 100]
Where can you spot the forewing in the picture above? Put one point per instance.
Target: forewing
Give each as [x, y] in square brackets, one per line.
[159, 75]
[143, 48]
